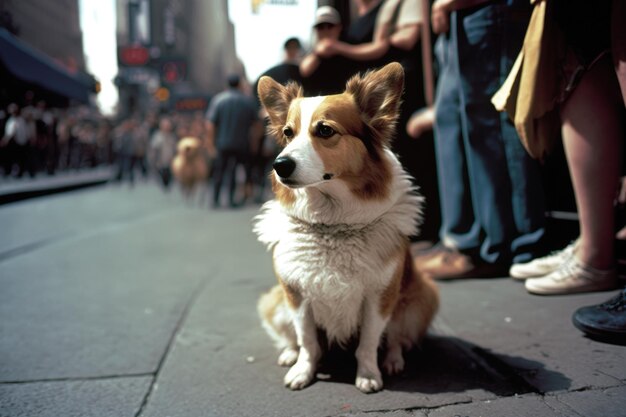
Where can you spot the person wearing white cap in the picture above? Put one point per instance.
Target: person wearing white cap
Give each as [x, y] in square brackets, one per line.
[325, 75]
[327, 14]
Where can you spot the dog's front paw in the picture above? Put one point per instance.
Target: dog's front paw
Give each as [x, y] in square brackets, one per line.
[299, 376]
[288, 357]
[369, 382]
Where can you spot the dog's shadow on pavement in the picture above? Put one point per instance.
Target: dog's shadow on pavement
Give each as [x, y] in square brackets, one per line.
[449, 364]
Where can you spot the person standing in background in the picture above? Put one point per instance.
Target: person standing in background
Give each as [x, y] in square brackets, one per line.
[162, 151]
[232, 122]
[16, 143]
[325, 75]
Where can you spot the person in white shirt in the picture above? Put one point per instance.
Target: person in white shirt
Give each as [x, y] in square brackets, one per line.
[15, 143]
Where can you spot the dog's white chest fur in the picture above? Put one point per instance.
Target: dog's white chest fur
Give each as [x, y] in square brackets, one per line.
[335, 266]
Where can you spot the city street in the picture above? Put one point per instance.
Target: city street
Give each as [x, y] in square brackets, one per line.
[119, 301]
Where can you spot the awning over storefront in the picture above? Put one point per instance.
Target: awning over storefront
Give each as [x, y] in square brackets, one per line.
[31, 66]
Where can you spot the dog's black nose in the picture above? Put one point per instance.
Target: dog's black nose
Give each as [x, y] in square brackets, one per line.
[284, 166]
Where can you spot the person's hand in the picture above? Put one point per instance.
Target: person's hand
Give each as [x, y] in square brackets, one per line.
[326, 48]
[421, 122]
[440, 16]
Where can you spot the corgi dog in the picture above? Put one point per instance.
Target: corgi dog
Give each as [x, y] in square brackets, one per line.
[189, 166]
[339, 230]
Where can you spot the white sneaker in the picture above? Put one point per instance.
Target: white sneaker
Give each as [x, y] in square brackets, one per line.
[542, 266]
[573, 277]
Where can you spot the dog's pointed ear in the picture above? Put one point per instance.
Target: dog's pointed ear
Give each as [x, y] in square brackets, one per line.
[277, 98]
[378, 96]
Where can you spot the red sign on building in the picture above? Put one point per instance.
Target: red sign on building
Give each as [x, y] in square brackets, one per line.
[134, 55]
[173, 71]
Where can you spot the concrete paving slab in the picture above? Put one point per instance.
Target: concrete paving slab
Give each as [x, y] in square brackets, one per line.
[594, 402]
[33, 223]
[104, 302]
[402, 413]
[119, 397]
[518, 406]
[532, 334]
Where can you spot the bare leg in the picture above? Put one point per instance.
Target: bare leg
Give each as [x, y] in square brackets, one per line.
[593, 140]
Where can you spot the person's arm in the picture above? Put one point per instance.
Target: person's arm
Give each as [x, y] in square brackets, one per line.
[9, 131]
[440, 12]
[452, 5]
[210, 131]
[309, 65]
[210, 120]
[406, 36]
[362, 52]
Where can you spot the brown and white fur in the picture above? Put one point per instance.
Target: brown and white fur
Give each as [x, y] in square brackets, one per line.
[338, 230]
[189, 166]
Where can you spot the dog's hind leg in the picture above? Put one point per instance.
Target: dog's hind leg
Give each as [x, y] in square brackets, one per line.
[288, 356]
[276, 320]
[394, 360]
[410, 321]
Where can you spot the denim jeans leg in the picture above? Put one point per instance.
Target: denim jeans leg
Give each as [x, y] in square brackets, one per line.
[459, 228]
[504, 183]
[479, 64]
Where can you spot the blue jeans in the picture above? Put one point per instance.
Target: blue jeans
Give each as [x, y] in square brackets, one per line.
[491, 192]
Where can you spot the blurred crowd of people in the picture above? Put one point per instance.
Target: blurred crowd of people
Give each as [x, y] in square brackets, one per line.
[37, 139]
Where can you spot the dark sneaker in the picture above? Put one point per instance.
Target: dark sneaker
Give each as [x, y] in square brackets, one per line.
[606, 321]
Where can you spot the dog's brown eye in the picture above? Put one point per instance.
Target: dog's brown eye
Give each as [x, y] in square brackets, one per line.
[288, 132]
[324, 131]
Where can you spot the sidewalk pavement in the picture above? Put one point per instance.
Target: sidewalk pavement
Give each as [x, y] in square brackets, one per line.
[129, 302]
[14, 189]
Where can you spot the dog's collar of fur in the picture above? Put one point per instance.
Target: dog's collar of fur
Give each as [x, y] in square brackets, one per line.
[334, 228]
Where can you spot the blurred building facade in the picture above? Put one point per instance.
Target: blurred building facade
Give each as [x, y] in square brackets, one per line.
[45, 38]
[52, 27]
[173, 54]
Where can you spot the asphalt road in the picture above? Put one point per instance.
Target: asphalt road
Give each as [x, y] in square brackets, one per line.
[130, 302]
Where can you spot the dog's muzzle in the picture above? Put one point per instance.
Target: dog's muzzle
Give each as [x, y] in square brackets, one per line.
[284, 166]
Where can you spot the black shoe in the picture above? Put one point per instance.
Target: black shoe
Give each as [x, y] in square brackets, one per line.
[606, 321]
